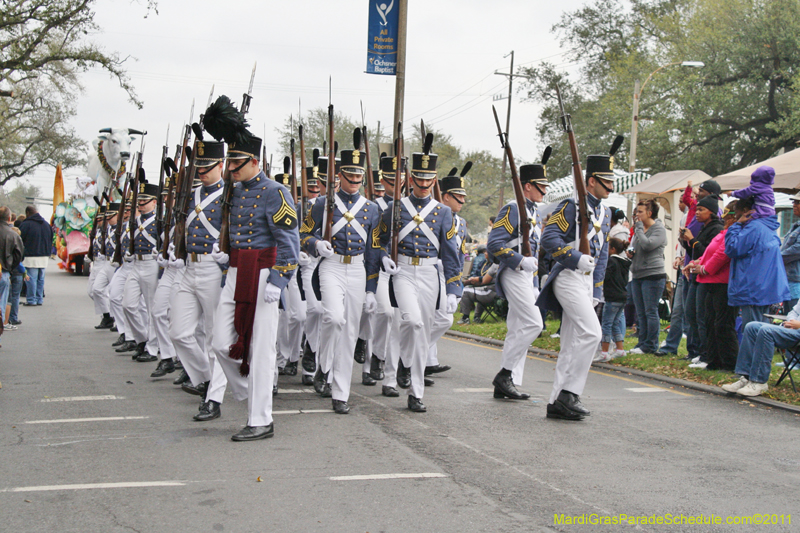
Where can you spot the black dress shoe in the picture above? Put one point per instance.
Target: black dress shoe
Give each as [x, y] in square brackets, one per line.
[254, 433]
[326, 391]
[319, 381]
[415, 404]
[307, 380]
[429, 382]
[309, 358]
[366, 379]
[360, 354]
[572, 402]
[147, 358]
[208, 411]
[120, 340]
[436, 369]
[180, 380]
[403, 376]
[340, 407]
[178, 364]
[114, 329]
[199, 390]
[504, 388]
[390, 392]
[290, 369]
[140, 350]
[376, 368]
[281, 370]
[105, 323]
[127, 346]
[274, 390]
[165, 366]
[559, 411]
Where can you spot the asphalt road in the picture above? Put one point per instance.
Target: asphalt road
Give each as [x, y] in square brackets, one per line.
[88, 442]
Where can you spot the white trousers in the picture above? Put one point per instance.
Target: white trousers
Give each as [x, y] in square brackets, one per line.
[116, 291]
[195, 302]
[442, 321]
[343, 292]
[416, 290]
[141, 283]
[166, 290]
[99, 279]
[257, 386]
[313, 308]
[291, 324]
[524, 320]
[580, 332]
[382, 320]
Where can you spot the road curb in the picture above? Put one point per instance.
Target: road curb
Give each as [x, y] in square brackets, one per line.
[709, 389]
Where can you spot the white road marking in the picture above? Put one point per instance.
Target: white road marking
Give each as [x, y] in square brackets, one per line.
[645, 389]
[295, 391]
[82, 398]
[302, 411]
[473, 390]
[388, 476]
[99, 419]
[84, 486]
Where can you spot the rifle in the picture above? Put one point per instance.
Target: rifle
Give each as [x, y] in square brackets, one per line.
[304, 186]
[522, 206]
[227, 193]
[172, 173]
[93, 232]
[331, 189]
[294, 172]
[184, 195]
[136, 178]
[103, 247]
[396, 221]
[117, 258]
[369, 184]
[437, 192]
[577, 172]
[159, 204]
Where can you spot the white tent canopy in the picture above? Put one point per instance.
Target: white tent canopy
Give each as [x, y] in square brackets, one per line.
[787, 173]
[564, 187]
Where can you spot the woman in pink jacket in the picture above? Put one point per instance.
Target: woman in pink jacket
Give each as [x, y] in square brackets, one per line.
[713, 270]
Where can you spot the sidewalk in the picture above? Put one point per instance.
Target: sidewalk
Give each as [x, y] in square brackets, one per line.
[640, 373]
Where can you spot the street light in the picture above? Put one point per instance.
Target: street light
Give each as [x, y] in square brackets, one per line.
[637, 93]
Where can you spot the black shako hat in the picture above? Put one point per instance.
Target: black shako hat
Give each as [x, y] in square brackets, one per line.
[454, 182]
[209, 153]
[352, 161]
[602, 166]
[389, 167]
[536, 173]
[113, 209]
[423, 164]
[377, 176]
[147, 191]
[322, 173]
[285, 178]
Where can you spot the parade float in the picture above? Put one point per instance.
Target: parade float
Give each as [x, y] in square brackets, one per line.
[72, 223]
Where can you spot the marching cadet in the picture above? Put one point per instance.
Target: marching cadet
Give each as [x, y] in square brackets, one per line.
[575, 285]
[424, 238]
[263, 257]
[116, 289]
[348, 271]
[199, 288]
[143, 277]
[454, 195]
[307, 266]
[98, 278]
[314, 304]
[517, 281]
[293, 315]
[377, 187]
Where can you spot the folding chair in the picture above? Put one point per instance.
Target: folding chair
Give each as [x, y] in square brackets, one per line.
[791, 358]
[498, 310]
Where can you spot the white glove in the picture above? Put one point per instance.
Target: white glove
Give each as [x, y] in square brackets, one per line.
[271, 293]
[160, 261]
[529, 264]
[303, 259]
[114, 264]
[370, 303]
[595, 302]
[220, 257]
[173, 260]
[452, 304]
[324, 248]
[389, 266]
[128, 258]
[586, 264]
[171, 248]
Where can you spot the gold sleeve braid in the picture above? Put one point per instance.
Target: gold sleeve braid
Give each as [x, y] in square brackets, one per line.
[453, 279]
[452, 232]
[376, 238]
[308, 224]
[504, 223]
[559, 219]
[286, 216]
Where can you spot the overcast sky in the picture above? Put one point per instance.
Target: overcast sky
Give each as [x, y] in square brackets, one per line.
[454, 48]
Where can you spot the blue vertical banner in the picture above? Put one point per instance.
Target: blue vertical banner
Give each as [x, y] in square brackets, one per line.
[382, 37]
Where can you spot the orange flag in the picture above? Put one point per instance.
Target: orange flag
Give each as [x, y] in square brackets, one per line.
[58, 188]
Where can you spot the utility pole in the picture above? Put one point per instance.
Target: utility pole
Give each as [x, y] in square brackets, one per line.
[400, 69]
[508, 123]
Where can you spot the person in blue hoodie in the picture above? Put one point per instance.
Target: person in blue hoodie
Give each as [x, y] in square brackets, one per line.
[758, 277]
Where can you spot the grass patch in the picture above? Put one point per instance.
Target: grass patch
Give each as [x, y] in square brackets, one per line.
[671, 366]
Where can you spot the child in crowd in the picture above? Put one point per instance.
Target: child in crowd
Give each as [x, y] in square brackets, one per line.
[615, 295]
[761, 181]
